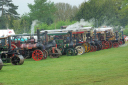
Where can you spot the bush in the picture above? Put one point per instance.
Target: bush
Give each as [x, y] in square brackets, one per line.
[126, 30]
[56, 25]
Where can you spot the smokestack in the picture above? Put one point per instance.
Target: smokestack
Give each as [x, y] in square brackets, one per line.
[99, 34]
[9, 42]
[70, 35]
[95, 35]
[46, 37]
[116, 35]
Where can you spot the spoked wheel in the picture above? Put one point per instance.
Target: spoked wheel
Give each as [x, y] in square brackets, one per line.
[5, 58]
[70, 52]
[45, 54]
[106, 43]
[17, 60]
[120, 42]
[89, 47]
[92, 48]
[85, 46]
[1, 64]
[110, 44]
[95, 48]
[115, 44]
[75, 52]
[80, 49]
[103, 46]
[61, 49]
[98, 46]
[37, 55]
[55, 53]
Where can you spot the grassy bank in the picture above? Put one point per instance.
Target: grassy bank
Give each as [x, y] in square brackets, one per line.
[105, 67]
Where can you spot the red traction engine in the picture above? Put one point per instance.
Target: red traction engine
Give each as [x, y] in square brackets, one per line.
[116, 42]
[34, 49]
[30, 48]
[102, 36]
[97, 43]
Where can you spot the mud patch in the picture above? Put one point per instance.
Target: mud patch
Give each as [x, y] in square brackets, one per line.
[1, 84]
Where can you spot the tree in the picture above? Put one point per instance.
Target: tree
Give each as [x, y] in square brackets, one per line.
[65, 11]
[8, 10]
[102, 11]
[123, 14]
[17, 26]
[91, 10]
[42, 10]
[126, 32]
[26, 22]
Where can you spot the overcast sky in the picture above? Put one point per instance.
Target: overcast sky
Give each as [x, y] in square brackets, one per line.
[23, 7]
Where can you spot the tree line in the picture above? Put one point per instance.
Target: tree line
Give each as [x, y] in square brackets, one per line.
[54, 15]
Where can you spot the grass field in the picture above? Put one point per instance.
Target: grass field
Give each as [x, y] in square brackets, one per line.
[105, 67]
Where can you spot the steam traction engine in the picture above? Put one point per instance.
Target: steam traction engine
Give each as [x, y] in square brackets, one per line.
[95, 45]
[31, 48]
[65, 42]
[38, 50]
[8, 53]
[58, 44]
[116, 41]
[110, 39]
[79, 37]
[50, 45]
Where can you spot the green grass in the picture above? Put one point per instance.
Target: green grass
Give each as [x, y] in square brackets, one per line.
[105, 67]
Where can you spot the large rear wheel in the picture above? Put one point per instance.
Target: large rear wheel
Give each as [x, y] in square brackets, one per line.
[92, 48]
[95, 48]
[115, 44]
[54, 52]
[45, 54]
[80, 49]
[17, 60]
[85, 46]
[69, 52]
[75, 52]
[110, 44]
[89, 47]
[120, 42]
[37, 55]
[106, 44]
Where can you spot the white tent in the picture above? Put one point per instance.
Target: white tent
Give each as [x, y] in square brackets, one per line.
[6, 32]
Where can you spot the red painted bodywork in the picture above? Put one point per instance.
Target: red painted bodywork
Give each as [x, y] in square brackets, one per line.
[78, 32]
